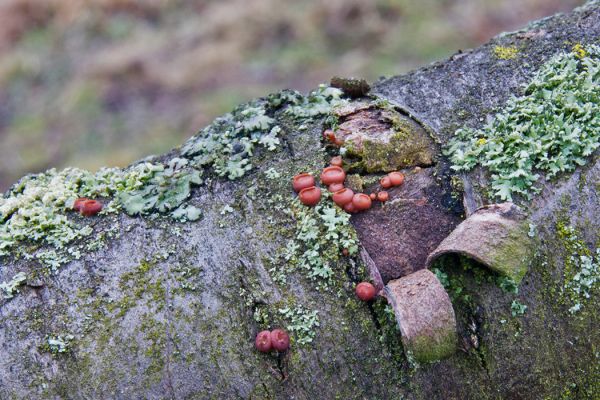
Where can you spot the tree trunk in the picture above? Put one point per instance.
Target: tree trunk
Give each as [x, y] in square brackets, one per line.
[161, 309]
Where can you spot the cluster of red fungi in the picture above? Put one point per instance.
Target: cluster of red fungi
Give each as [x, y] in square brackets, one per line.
[309, 194]
[87, 207]
[333, 177]
[277, 339]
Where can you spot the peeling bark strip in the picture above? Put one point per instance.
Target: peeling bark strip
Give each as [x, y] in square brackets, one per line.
[424, 314]
[496, 236]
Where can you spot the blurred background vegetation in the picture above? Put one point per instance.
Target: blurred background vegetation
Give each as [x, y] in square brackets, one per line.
[104, 82]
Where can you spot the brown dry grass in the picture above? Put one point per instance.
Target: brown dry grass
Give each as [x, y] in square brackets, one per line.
[93, 82]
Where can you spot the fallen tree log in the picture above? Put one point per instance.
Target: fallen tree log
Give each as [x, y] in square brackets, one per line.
[162, 294]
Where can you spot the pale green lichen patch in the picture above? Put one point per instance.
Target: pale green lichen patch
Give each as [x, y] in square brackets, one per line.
[582, 268]
[302, 322]
[37, 210]
[552, 128]
[517, 308]
[57, 344]
[318, 103]
[10, 288]
[164, 188]
[227, 144]
[321, 234]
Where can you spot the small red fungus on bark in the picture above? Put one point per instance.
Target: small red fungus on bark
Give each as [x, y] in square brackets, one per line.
[365, 291]
[349, 208]
[280, 340]
[383, 196]
[77, 204]
[329, 135]
[343, 197]
[334, 187]
[361, 201]
[90, 207]
[336, 161]
[385, 182]
[302, 181]
[373, 196]
[263, 342]
[333, 174]
[310, 196]
[396, 178]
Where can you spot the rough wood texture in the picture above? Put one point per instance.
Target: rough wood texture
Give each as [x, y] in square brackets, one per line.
[496, 236]
[424, 314]
[168, 310]
[400, 234]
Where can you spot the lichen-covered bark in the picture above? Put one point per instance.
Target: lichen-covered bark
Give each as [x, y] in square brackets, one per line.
[170, 310]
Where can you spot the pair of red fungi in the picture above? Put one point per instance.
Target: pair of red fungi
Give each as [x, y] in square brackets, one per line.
[330, 136]
[87, 207]
[334, 176]
[394, 178]
[277, 339]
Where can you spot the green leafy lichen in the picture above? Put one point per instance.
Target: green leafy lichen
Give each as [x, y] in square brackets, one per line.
[321, 234]
[551, 129]
[582, 268]
[302, 322]
[57, 344]
[36, 212]
[517, 308]
[11, 287]
[164, 188]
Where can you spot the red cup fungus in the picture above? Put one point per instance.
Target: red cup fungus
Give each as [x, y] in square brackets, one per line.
[336, 161]
[361, 201]
[334, 187]
[385, 182]
[263, 342]
[365, 291]
[77, 204]
[280, 340]
[302, 181]
[343, 197]
[396, 178]
[310, 196]
[373, 196]
[349, 208]
[333, 174]
[383, 196]
[329, 135]
[90, 207]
